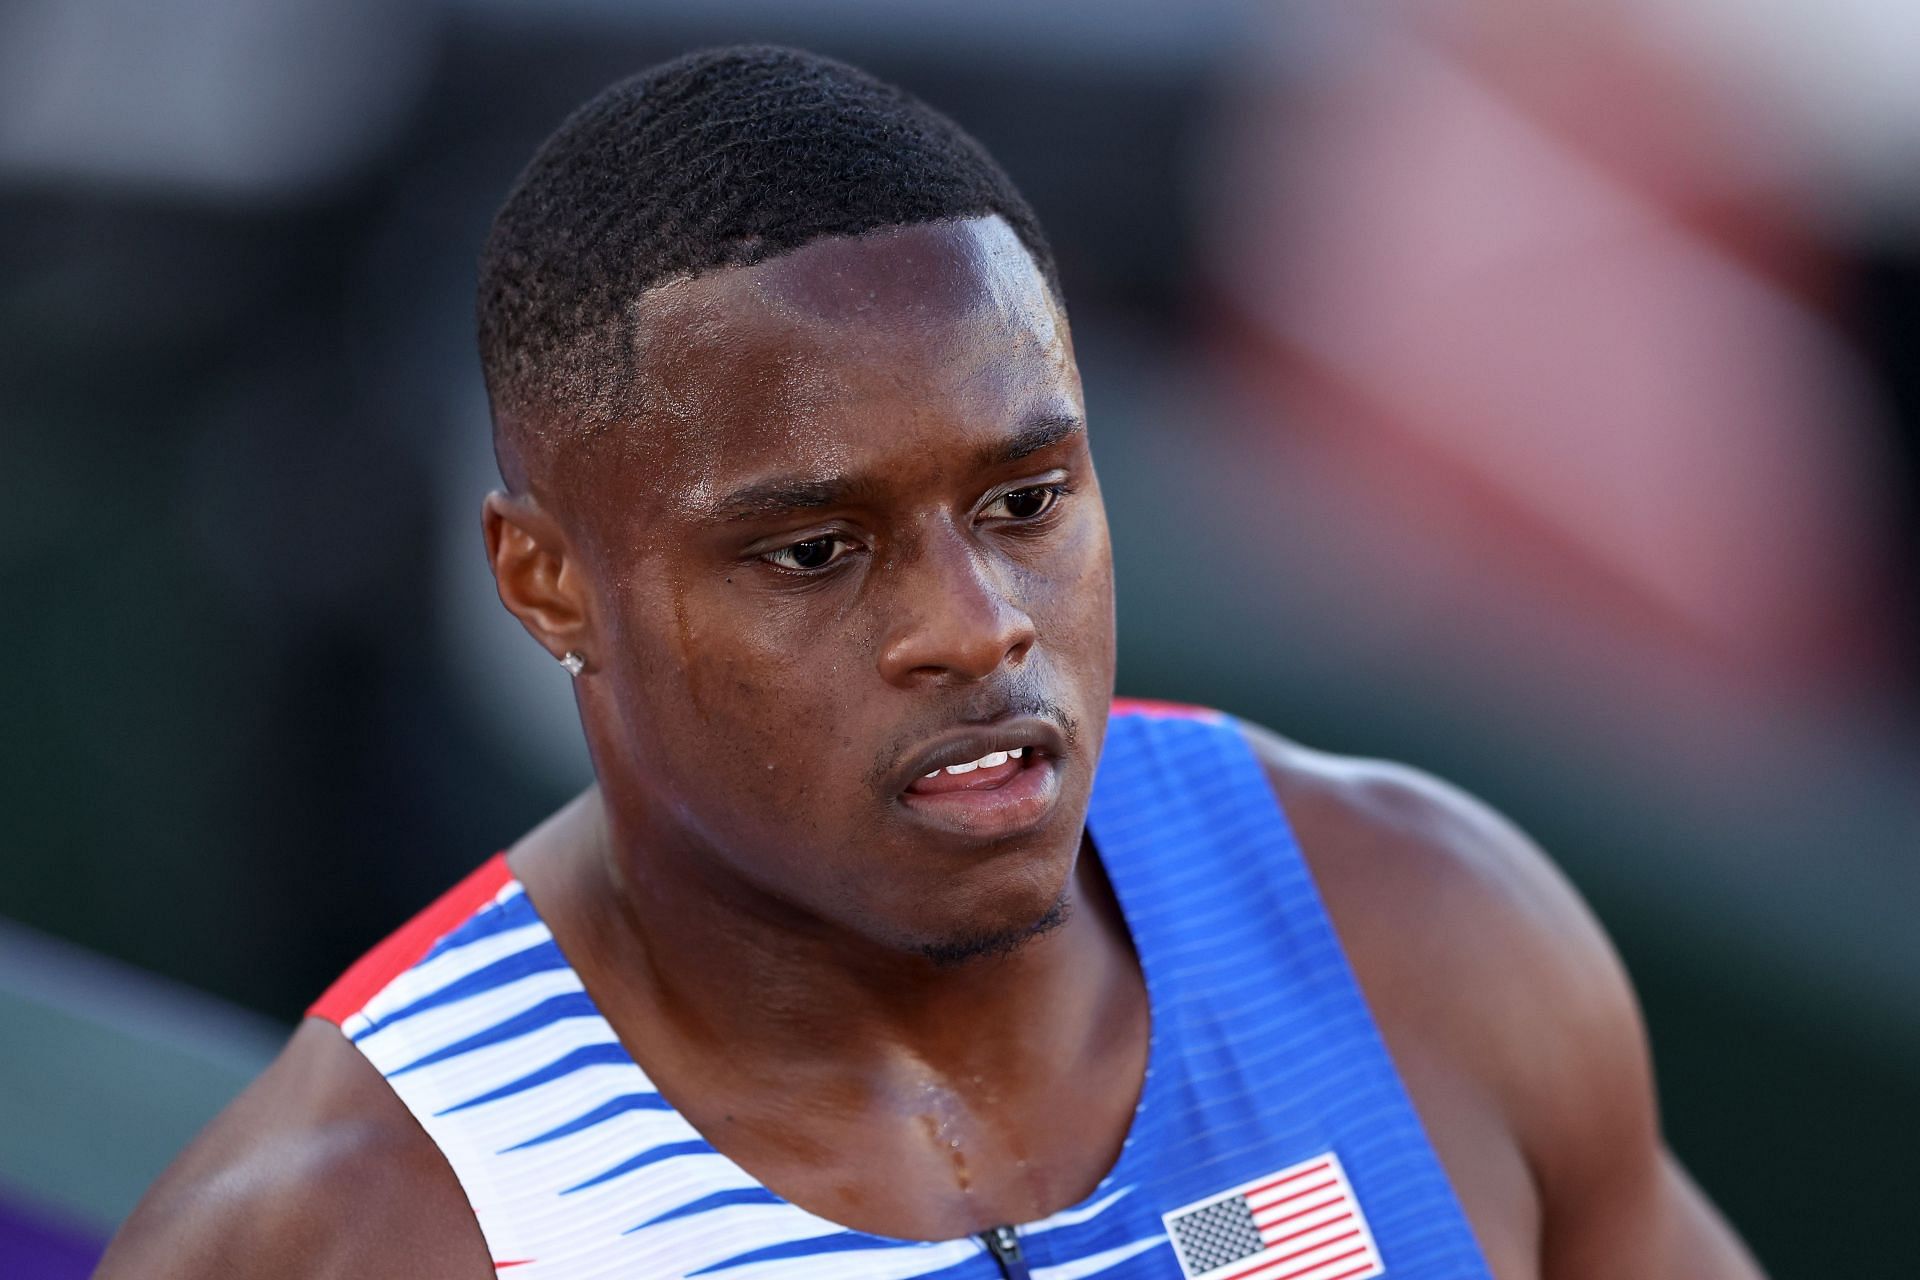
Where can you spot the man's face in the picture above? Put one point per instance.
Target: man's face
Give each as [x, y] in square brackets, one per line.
[857, 537]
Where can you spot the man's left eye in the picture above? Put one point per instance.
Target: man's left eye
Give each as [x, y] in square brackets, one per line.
[1026, 504]
[813, 553]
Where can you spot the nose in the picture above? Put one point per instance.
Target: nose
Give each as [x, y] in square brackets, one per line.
[954, 617]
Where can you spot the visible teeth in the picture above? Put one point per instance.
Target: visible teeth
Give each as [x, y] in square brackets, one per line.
[991, 760]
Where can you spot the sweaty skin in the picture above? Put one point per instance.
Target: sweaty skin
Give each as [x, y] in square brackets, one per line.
[854, 532]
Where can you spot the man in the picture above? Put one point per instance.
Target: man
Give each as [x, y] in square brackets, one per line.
[848, 966]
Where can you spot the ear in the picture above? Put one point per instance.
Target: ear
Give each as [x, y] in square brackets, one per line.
[536, 572]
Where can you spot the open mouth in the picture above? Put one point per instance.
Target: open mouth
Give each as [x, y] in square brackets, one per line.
[985, 781]
[992, 770]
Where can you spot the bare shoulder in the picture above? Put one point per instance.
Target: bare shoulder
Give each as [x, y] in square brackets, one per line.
[1416, 868]
[1470, 945]
[1370, 819]
[316, 1170]
[1509, 1014]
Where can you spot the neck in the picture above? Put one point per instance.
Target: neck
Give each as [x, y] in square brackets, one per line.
[730, 975]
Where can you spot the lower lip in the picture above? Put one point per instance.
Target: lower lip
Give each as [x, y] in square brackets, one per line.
[1019, 804]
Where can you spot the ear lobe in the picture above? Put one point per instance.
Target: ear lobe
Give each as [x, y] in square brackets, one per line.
[535, 571]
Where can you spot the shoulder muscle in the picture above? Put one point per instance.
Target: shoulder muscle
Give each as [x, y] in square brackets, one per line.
[1468, 938]
[317, 1170]
[1474, 950]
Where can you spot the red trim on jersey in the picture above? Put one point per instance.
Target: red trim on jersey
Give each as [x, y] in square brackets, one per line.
[1162, 710]
[404, 947]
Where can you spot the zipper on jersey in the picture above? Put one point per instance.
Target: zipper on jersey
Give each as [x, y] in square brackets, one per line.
[1004, 1245]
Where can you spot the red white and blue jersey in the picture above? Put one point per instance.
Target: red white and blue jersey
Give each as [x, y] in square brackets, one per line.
[1273, 1139]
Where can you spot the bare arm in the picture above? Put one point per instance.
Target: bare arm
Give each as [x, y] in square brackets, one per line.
[316, 1171]
[1512, 1020]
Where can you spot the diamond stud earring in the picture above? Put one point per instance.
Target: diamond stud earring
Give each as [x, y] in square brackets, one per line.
[574, 663]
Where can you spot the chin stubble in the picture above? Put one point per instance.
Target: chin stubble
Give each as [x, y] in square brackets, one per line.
[951, 953]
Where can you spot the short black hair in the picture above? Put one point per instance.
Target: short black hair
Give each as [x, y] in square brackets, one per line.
[720, 158]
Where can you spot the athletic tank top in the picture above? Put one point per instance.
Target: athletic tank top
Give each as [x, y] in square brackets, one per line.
[1272, 1139]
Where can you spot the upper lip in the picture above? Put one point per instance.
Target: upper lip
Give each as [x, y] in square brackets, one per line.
[970, 742]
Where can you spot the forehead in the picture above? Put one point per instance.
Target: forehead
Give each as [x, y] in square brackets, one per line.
[846, 350]
[898, 276]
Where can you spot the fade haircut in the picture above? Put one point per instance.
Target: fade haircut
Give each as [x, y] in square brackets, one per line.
[721, 158]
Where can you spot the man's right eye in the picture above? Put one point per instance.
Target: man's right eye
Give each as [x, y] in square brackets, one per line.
[813, 553]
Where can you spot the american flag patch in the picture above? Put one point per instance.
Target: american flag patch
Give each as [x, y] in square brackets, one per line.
[1302, 1223]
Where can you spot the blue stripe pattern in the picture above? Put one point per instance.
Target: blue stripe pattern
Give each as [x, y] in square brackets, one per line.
[620, 1106]
[571, 1004]
[807, 1247]
[707, 1204]
[666, 1151]
[609, 1054]
[515, 912]
[542, 958]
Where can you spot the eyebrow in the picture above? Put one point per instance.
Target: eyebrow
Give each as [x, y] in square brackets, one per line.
[1038, 433]
[772, 499]
[775, 498]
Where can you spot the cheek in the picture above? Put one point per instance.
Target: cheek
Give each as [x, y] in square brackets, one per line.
[1079, 582]
[771, 711]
